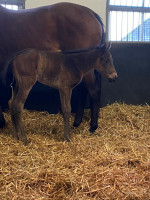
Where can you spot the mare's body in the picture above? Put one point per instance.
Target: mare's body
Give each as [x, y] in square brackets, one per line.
[59, 27]
[57, 70]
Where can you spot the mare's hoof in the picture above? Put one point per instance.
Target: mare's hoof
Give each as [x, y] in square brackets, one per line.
[93, 128]
[76, 124]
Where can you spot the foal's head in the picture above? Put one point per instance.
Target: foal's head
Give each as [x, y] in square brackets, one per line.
[105, 65]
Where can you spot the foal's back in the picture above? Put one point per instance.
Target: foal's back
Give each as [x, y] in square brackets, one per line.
[50, 68]
[50, 65]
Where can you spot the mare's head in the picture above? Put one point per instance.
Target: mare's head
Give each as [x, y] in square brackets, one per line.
[105, 65]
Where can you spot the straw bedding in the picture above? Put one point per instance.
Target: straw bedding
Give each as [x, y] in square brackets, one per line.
[113, 163]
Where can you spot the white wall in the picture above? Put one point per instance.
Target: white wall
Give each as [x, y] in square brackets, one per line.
[99, 6]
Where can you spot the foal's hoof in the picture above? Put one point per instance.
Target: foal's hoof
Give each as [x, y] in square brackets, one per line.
[67, 139]
[25, 142]
[93, 128]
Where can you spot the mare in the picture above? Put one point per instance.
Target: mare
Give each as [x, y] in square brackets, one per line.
[62, 71]
[58, 27]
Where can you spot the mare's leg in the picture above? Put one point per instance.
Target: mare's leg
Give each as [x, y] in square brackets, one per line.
[65, 97]
[16, 105]
[2, 119]
[81, 99]
[92, 81]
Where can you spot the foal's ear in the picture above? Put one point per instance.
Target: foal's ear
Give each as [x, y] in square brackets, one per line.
[105, 47]
[108, 45]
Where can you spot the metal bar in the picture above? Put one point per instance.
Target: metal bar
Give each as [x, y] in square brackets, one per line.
[116, 25]
[127, 28]
[12, 2]
[128, 8]
[107, 21]
[121, 24]
[139, 28]
[133, 26]
[142, 22]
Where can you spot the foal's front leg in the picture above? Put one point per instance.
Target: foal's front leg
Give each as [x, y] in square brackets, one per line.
[16, 109]
[16, 104]
[65, 97]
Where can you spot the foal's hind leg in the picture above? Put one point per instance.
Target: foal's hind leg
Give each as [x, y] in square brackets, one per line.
[92, 81]
[65, 97]
[16, 105]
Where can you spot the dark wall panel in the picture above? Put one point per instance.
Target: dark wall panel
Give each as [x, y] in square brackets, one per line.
[132, 62]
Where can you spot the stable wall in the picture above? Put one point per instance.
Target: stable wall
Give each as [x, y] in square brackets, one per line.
[132, 62]
[99, 6]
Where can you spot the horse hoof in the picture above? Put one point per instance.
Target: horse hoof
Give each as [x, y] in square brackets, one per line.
[25, 142]
[76, 124]
[67, 139]
[93, 128]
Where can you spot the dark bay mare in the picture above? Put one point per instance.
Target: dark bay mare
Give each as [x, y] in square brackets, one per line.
[57, 70]
[59, 27]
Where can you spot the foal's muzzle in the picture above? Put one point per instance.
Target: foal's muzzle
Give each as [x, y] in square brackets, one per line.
[113, 77]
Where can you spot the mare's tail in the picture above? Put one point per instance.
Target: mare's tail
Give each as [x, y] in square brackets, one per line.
[101, 23]
[6, 75]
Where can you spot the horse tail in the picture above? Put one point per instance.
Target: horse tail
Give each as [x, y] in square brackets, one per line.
[102, 25]
[6, 74]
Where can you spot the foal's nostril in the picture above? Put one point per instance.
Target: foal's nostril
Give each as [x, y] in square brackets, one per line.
[116, 77]
[113, 78]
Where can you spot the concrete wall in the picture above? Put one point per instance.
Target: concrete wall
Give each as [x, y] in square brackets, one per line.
[99, 6]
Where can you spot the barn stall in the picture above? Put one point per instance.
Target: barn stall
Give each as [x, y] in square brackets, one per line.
[112, 163]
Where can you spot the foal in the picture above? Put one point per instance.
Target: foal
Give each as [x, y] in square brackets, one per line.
[62, 71]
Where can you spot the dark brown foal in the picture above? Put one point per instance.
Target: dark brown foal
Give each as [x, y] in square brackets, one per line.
[62, 71]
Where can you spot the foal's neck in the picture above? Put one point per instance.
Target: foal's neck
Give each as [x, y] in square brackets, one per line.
[88, 60]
